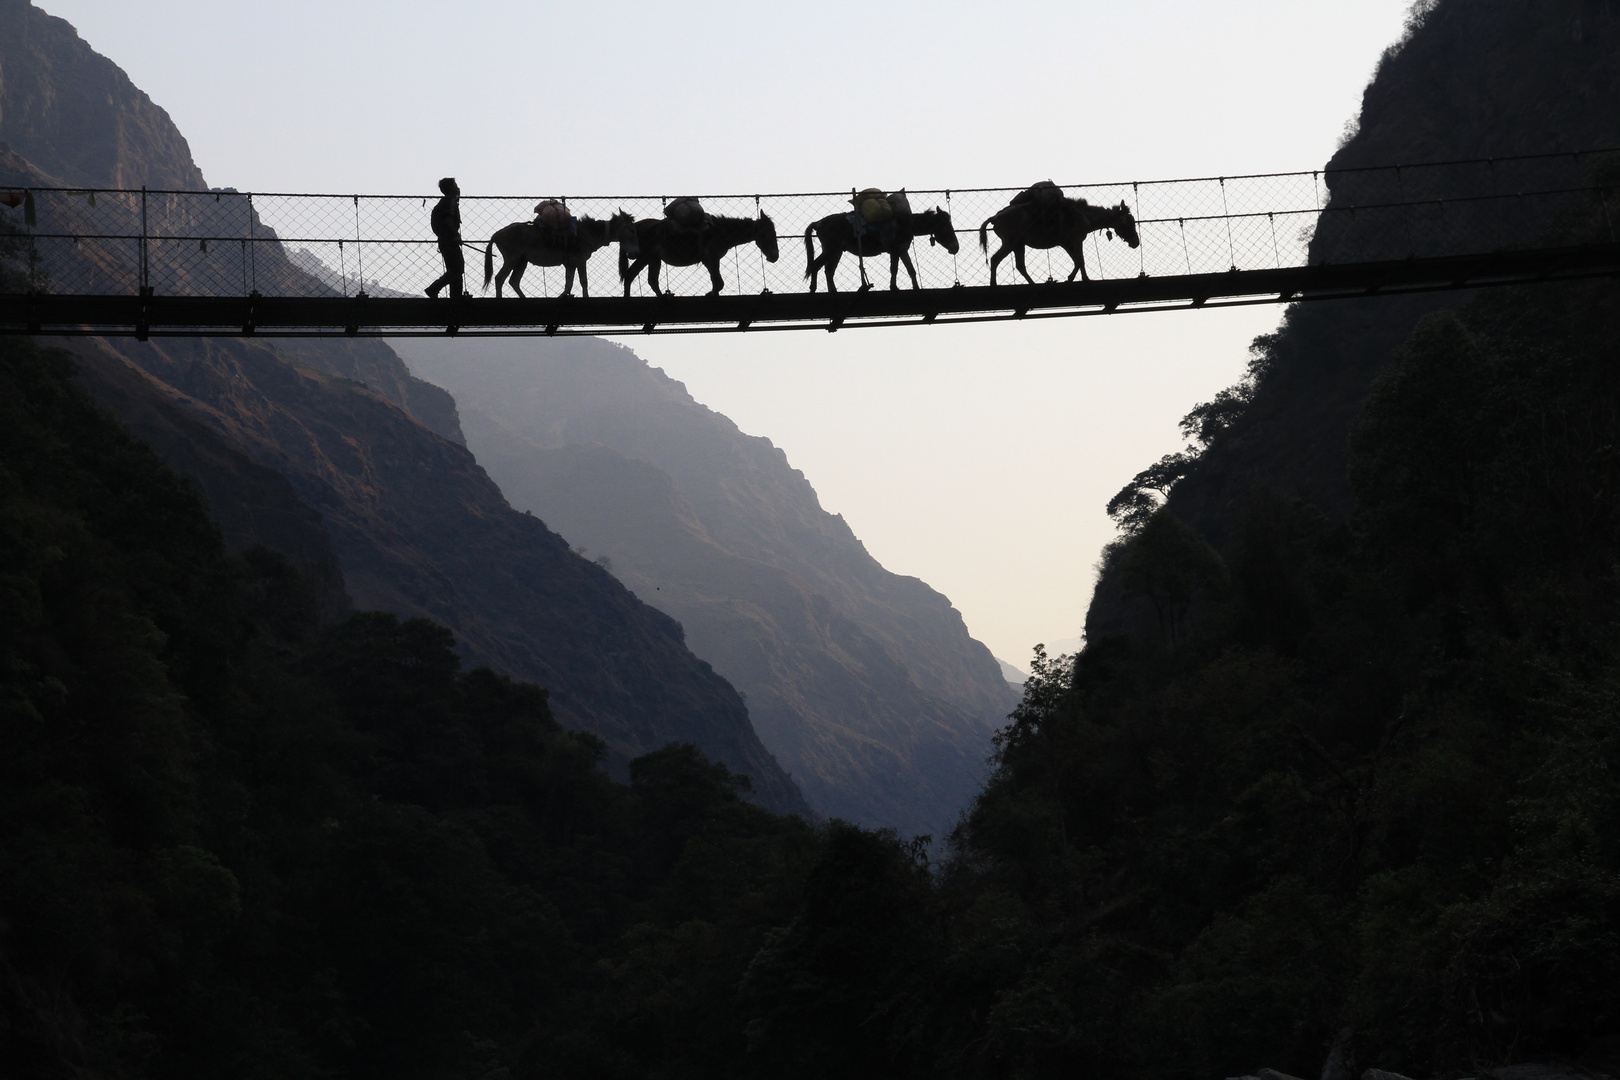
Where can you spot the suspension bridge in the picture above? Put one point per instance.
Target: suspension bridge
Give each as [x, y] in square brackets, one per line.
[149, 263]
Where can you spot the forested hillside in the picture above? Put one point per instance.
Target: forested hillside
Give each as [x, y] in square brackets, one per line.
[1370, 796]
[236, 842]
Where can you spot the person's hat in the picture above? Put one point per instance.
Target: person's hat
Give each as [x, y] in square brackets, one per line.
[448, 184]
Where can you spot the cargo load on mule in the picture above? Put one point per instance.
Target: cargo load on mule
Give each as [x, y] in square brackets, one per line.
[874, 206]
[686, 213]
[1045, 199]
[555, 222]
[1044, 194]
[879, 212]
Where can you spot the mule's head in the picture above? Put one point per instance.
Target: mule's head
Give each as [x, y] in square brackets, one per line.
[765, 237]
[622, 230]
[1125, 225]
[943, 232]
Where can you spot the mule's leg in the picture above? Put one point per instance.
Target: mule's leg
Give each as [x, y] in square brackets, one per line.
[517, 277]
[653, 268]
[995, 260]
[584, 285]
[1078, 254]
[905, 257]
[834, 256]
[500, 278]
[634, 272]
[568, 279]
[1018, 261]
[716, 282]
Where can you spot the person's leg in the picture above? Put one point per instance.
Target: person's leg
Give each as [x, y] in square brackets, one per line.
[443, 279]
[455, 269]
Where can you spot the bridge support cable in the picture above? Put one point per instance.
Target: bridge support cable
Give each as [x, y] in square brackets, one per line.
[155, 262]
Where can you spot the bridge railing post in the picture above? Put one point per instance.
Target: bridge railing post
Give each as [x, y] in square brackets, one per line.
[359, 251]
[252, 268]
[143, 271]
[1226, 212]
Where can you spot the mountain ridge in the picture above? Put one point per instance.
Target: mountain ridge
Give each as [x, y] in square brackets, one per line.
[864, 682]
[378, 454]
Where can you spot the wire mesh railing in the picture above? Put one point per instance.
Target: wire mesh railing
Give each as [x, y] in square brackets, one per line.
[227, 243]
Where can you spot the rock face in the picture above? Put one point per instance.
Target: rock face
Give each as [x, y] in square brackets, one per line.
[74, 113]
[1485, 78]
[372, 454]
[865, 684]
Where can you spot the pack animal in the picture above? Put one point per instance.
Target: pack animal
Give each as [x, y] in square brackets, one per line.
[839, 237]
[525, 242]
[1038, 219]
[660, 241]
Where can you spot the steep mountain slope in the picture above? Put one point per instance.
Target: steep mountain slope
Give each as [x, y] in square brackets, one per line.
[76, 115]
[417, 525]
[253, 505]
[1489, 78]
[864, 683]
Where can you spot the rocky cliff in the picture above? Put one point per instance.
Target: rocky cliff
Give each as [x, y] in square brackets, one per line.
[864, 683]
[372, 452]
[1476, 79]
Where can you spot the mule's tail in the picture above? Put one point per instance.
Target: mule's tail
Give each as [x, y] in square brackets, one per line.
[984, 235]
[809, 255]
[489, 261]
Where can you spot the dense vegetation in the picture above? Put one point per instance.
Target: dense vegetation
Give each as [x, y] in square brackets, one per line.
[235, 843]
[1353, 785]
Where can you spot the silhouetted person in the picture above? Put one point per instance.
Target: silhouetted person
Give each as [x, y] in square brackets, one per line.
[446, 221]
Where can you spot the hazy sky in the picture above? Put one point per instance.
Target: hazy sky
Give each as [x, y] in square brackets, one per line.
[977, 458]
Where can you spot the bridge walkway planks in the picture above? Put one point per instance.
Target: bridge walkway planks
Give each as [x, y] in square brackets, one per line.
[160, 316]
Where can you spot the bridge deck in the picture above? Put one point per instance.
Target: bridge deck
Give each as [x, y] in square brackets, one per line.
[158, 315]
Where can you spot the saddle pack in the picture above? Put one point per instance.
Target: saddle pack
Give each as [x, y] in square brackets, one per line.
[874, 206]
[1043, 195]
[554, 217]
[686, 213]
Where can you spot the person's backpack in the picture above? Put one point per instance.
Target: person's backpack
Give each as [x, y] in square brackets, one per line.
[686, 213]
